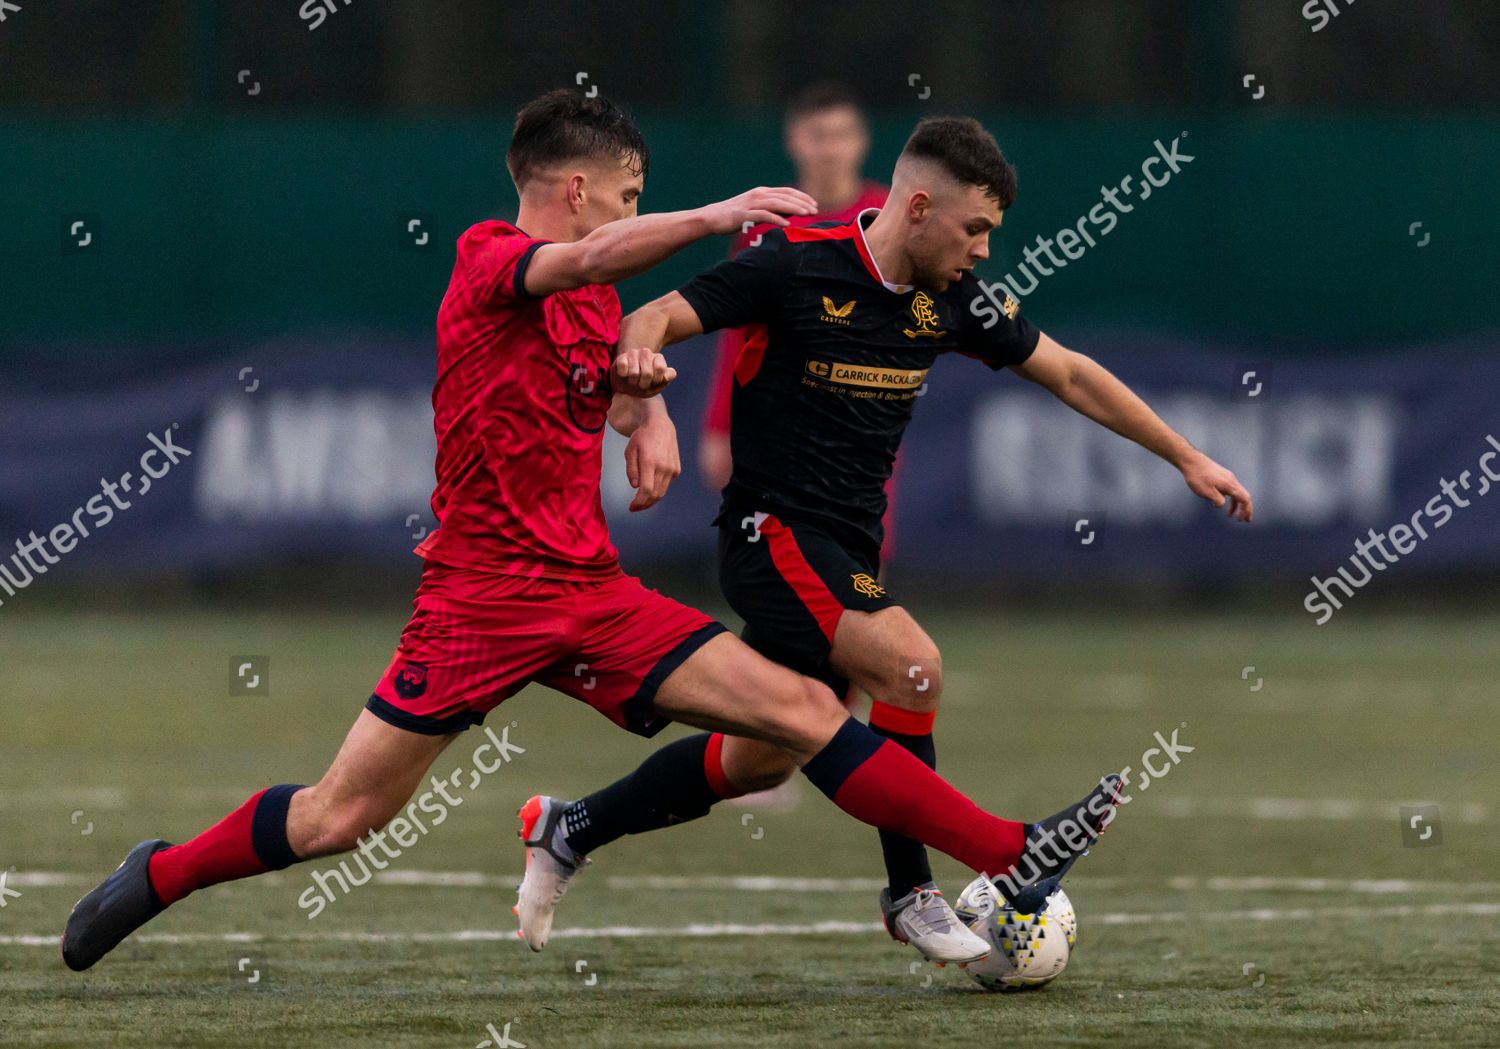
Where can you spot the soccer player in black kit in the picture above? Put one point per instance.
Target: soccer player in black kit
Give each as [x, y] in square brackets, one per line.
[844, 322]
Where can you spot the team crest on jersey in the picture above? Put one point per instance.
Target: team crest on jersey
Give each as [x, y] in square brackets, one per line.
[866, 585]
[589, 395]
[836, 314]
[412, 681]
[926, 317]
[1011, 307]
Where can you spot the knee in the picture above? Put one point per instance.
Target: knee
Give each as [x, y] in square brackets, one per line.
[915, 682]
[806, 716]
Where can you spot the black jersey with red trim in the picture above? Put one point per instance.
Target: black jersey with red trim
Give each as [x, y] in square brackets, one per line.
[834, 361]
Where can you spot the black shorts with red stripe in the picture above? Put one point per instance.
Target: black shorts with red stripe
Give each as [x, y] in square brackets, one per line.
[791, 581]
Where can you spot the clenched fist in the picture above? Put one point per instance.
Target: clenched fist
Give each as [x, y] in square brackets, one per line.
[642, 373]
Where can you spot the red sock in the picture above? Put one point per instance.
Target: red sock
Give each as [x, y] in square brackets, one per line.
[250, 840]
[878, 782]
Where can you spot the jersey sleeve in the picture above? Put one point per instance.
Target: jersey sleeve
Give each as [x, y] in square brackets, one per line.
[747, 289]
[494, 266]
[993, 329]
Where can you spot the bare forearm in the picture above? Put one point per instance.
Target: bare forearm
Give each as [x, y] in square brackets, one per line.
[627, 414]
[629, 246]
[646, 327]
[625, 248]
[1089, 389]
[1093, 391]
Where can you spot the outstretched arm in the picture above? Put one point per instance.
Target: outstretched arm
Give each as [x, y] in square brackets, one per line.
[1090, 389]
[624, 248]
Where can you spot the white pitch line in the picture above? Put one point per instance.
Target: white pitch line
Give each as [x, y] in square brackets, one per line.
[448, 879]
[659, 883]
[827, 928]
[64, 798]
[771, 883]
[48, 879]
[1299, 810]
[610, 932]
[482, 880]
[743, 883]
[1359, 886]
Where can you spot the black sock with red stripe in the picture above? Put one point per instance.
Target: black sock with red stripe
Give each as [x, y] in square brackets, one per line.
[906, 863]
[678, 783]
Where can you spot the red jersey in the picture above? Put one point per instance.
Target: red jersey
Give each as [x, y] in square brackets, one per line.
[520, 405]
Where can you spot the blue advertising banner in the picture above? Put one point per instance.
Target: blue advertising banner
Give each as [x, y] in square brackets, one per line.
[312, 447]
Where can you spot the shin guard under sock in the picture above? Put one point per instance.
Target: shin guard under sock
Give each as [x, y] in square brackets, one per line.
[250, 840]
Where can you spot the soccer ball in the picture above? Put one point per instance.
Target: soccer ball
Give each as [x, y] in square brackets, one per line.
[1029, 949]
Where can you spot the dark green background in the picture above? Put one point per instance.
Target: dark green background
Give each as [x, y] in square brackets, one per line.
[1293, 231]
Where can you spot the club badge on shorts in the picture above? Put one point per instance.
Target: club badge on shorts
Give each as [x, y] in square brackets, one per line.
[412, 681]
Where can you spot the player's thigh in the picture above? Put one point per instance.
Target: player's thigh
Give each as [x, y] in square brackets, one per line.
[628, 639]
[474, 639]
[726, 686]
[374, 774]
[751, 764]
[890, 656]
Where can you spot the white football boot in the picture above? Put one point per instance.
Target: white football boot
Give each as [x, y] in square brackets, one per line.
[550, 866]
[923, 919]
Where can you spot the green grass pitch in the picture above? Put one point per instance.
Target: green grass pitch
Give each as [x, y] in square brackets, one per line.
[1261, 893]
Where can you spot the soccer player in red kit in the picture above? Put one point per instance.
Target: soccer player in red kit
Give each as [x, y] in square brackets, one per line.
[521, 582]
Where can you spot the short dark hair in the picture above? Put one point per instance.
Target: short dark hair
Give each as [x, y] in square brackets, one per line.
[565, 125]
[821, 97]
[967, 152]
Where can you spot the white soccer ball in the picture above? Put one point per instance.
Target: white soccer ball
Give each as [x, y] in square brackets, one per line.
[1029, 949]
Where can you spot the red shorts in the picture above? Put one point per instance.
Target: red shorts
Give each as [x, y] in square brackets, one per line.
[476, 638]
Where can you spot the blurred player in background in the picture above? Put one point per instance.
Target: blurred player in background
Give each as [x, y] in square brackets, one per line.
[827, 139]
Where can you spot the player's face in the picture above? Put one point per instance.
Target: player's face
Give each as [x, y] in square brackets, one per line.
[610, 191]
[953, 235]
[828, 146]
